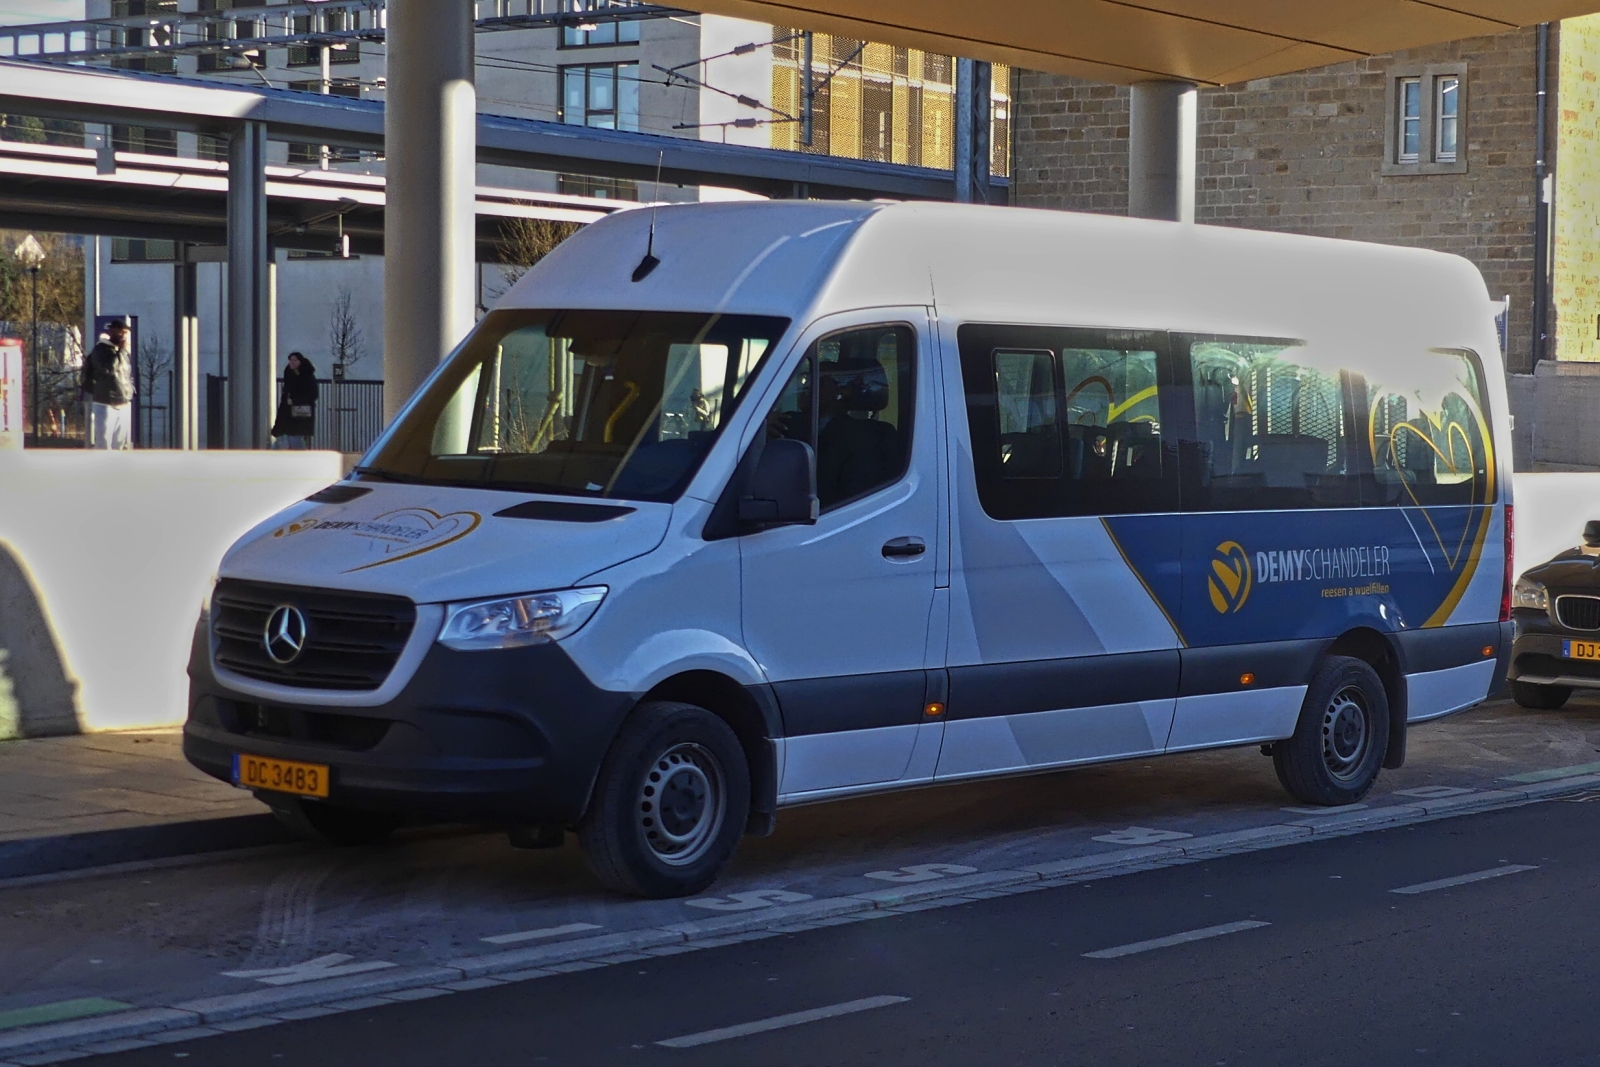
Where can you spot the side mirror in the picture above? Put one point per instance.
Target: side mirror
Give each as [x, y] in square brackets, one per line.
[1591, 533]
[783, 488]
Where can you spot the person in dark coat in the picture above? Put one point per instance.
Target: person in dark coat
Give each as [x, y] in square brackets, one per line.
[108, 384]
[297, 411]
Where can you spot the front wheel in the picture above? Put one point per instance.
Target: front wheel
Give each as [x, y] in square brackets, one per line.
[1537, 697]
[1341, 737]
[670, 804]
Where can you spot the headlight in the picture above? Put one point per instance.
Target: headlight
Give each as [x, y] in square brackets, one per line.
[1530, 594]
[519, 620]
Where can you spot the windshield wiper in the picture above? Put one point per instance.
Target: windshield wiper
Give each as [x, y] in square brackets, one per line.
[387, 476]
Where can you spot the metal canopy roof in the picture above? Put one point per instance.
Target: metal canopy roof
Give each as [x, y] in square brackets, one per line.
[1217, 42]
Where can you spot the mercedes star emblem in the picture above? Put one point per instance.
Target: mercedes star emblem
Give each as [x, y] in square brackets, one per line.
[285, 634]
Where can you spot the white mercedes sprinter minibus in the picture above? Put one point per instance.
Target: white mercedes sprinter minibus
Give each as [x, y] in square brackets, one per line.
[810, 500]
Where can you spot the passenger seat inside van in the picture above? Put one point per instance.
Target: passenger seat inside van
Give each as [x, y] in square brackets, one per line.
[856, 451]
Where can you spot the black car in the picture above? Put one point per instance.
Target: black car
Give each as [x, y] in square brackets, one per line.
[1556, 608]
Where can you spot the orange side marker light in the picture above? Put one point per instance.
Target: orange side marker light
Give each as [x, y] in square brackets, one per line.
[1488, 650]
[1247, 678]
[934, 709]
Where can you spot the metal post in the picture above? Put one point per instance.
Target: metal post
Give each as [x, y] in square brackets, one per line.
[431, 148]
[33, 352]
[808, 92]
[184, 405]
[1161, 150]
[1541, 215]
[971, 149]
[327, 86]
[249, 405]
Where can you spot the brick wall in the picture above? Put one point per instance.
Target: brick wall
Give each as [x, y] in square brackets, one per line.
[1303, 153]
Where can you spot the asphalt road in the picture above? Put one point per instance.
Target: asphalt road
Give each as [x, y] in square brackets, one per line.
[1303, 955]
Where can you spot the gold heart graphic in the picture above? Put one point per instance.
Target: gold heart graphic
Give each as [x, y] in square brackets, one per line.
[450, 522]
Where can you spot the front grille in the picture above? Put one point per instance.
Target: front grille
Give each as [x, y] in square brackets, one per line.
[355, 733]
[1578, 612]
[351, 642]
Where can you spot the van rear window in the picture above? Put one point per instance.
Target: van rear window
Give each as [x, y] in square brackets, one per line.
[595, 403]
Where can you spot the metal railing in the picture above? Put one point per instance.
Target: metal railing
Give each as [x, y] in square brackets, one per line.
[348, 414]
[244, 30]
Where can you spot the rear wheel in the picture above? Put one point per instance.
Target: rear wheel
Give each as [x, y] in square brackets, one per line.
[1540, 697]
[670, 803]
[315, 820]
[1341, 737]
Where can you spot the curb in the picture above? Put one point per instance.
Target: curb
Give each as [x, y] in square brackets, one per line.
[265, 1007]
[33, 856]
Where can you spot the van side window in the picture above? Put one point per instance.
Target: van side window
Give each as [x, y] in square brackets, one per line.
[1428, 431]
[1065, 421]
[1274, 427]
[852, 399]
[1026, 385]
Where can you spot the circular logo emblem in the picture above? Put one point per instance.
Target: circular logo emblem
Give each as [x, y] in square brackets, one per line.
[285, 634]
[1230, 579]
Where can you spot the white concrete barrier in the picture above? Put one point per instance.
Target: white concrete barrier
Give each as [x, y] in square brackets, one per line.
[104, 559]
[1550, 512]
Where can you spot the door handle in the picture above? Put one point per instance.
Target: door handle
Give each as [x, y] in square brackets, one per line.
[903, 548]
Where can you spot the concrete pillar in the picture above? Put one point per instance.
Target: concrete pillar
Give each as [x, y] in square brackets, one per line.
[971, 147]
[430, 146]
[184, 404]
[1161, 151]
[249, 368]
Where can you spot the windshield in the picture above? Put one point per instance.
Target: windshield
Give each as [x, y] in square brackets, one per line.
[590, 403]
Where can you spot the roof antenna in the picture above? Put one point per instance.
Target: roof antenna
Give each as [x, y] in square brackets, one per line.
[650, 262]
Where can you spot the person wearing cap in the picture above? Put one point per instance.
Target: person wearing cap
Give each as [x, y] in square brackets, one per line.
[108, 383]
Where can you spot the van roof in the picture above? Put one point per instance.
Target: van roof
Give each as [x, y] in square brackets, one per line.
[803, 259]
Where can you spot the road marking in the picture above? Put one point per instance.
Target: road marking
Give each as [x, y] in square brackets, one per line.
[920, 872]
[60, 1011]
[333, 965]
[1433, 792]
[1535, 777]
[778, 1022]
[535, 935]
[1464, 879]
[748, 900]
[1176, 939]
[1313, 810]
[1140, 835]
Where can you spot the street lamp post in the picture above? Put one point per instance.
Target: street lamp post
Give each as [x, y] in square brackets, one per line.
[31, 254]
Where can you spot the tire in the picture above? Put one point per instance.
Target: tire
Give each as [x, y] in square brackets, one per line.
[331, 824]
[1341, 737]
[670, 803]
[1537, 697]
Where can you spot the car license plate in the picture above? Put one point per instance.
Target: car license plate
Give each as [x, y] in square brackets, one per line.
[1581, 649]
[280, 775]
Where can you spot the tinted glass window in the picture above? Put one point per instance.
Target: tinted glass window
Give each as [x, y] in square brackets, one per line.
[591, 403]
[1273, 426]
[1066, 422]
[852, 400]
[1428, 431]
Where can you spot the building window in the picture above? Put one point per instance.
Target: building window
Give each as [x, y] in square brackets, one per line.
[602, 95]
[144, 139]
[139, 250]
[598, 34]
[333, 22]
[601, 188]
[1427, 119]
[1447, 106]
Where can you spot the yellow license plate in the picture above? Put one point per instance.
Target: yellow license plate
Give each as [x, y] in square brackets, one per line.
[280, 775]
[1581, 649]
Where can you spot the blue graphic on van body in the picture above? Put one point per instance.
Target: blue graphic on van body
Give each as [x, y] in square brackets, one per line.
[1280, 575]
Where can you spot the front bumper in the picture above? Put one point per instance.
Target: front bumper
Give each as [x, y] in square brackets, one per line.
[1536, 654]
[514, 736]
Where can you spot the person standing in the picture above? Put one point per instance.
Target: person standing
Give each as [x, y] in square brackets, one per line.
[108, 383]
[297, 412]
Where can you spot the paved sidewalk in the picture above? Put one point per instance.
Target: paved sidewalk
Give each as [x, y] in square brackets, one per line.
[68, 802]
